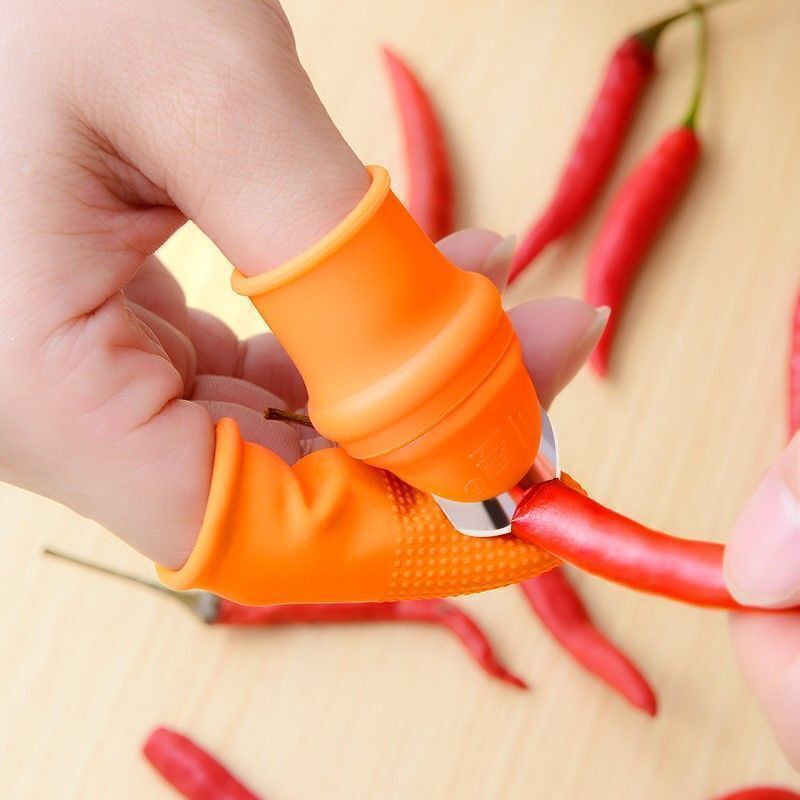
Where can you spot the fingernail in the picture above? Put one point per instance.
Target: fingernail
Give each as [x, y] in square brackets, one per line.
[584, 346]
[497, 264]
[762, 561]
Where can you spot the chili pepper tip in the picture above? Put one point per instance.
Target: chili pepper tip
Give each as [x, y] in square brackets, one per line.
[512, 679]
[560, 608]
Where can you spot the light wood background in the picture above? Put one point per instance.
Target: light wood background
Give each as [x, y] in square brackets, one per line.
[678, 437]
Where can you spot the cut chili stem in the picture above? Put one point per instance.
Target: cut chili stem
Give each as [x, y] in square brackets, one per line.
[287, 416]
[126, 576]
[650, 34]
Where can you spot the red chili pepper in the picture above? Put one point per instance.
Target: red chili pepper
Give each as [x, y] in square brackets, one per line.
[584, 533]
[196, 774]
[632, 223]
[431, 196]
[794, 372]
[219, 611]
[437, 612]
[637, 214]
[602, 136]
[561, 610]
[761, 793]
[596, 150]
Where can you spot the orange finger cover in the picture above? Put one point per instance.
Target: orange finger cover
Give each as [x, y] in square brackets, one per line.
[411, 364]
[334, 529]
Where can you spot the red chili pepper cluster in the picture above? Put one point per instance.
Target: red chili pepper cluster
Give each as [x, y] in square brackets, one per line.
[596, 150]
[640, 208]
[645, 199]
[556, 515]
[556, 518]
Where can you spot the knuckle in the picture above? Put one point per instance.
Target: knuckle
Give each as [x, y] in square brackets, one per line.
[238, 84]
[238, 54]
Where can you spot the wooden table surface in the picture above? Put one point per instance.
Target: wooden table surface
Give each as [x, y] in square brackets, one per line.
[678, 437]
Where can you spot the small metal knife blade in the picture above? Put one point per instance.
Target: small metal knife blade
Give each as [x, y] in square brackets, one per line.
[492, 517]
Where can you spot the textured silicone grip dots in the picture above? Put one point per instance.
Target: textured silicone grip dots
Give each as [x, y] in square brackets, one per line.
[331, 528]
[411, 364]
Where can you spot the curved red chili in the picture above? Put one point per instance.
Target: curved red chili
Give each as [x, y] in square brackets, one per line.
[431, 197]
[761, 793]
[794, 372]
[192, 771]
[437, 612]
[630, 227]
[639, 211]
[595, 151]
[219, 611]
[563, 613]
[602, 136]
[588, 535]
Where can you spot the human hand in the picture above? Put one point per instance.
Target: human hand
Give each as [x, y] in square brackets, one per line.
[118, 123]
[762, 565]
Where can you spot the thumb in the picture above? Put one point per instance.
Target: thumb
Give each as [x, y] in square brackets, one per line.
[202, 108]
[762, 559]
[762, 567]
[251, 155]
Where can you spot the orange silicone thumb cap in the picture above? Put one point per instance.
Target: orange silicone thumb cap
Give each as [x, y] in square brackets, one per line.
[332, 529]
[411, 364]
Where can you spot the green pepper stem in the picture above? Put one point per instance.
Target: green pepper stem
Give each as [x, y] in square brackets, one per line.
[690, 120]
[650, 34]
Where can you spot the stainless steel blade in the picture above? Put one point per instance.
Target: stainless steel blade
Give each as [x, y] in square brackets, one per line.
[547, 465]
[492, 517]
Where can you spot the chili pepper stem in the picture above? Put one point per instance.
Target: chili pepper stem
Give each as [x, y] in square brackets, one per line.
[690, 120]
[650, 34]
[187, 599]
[287, 416]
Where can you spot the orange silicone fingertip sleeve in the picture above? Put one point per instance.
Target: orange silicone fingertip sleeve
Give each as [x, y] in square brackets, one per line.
[411, 364]
[334, 529]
